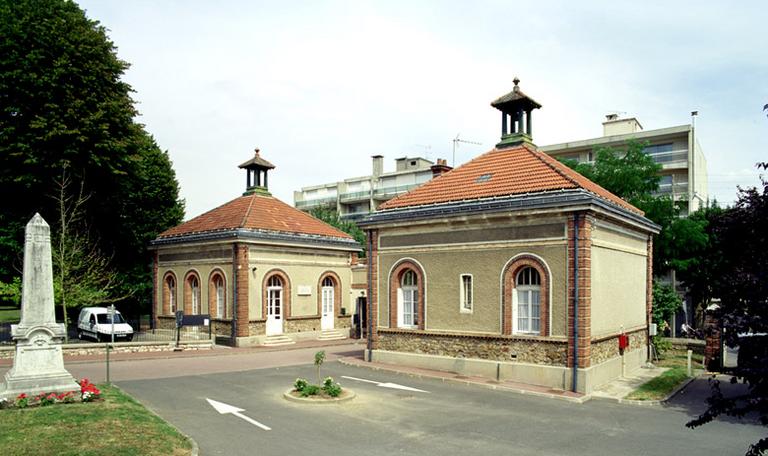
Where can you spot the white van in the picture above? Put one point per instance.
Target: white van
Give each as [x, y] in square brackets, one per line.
[94, 322]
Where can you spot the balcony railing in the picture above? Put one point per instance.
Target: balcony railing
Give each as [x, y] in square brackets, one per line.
[388, 192]
[355, 196]
[316, 202]
[673, 156]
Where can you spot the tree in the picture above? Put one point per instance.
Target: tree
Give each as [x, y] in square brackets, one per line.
[741, 283]
[83, 276]
[63, 105]
[332, 218]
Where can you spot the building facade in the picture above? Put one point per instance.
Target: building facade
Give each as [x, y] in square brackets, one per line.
[512, 267]
[356, 197]
[684, 173]
[263, 271]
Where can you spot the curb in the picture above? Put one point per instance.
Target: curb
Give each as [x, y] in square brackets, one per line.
[651, 403]
[195, 451]
[330, 401]
[576, 400]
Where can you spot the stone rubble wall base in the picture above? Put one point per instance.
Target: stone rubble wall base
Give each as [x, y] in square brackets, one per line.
[119, 347]
[557, 377]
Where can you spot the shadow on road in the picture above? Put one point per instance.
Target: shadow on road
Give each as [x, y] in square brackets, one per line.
[693, 399]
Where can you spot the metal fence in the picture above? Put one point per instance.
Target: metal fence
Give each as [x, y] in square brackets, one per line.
[143, 331]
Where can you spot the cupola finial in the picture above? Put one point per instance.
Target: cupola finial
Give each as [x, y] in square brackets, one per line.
[516, 122]
[256, 174]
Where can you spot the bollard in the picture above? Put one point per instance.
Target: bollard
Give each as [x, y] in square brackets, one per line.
[108, 347]
[690, 371]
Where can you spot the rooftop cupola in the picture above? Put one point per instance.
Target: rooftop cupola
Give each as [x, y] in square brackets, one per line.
[256, 174]
[516, 123]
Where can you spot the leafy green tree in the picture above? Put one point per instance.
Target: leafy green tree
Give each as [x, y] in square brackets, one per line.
[666, 303]
[332, 218]
[63, 105]
[740, 239]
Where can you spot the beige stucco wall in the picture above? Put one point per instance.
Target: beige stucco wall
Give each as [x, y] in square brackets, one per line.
[304, 268]
[619, 270]
[203, 267]
[444, 264]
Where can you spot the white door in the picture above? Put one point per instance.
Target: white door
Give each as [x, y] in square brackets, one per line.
[326, 322]
[275, 307]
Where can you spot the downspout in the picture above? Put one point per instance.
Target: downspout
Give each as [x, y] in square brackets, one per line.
[234, 295]
[575, 301]
[369, 306]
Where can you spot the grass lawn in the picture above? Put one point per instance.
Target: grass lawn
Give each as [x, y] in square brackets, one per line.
[658, 388]
[117, 425]
[9, 314]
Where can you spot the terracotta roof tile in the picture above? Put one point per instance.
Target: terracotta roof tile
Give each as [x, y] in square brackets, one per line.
[256, 212]
[502, 172]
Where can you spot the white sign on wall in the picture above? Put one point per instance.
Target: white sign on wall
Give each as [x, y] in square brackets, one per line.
[305, 290]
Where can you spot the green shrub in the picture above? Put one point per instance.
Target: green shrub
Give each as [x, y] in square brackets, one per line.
[309, 390]
[661, 344]
[300, 384]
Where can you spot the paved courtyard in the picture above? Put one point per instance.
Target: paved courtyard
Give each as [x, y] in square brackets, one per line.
[414, 416]
[444, 419]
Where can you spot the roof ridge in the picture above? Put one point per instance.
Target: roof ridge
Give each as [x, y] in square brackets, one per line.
[247, 212]
[538, 155]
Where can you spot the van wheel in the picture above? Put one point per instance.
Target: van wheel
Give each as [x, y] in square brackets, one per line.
[80, 335]
[129, 338]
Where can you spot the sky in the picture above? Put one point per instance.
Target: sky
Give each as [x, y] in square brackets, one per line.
[321, 86]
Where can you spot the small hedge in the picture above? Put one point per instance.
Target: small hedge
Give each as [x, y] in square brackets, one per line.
[328, 389]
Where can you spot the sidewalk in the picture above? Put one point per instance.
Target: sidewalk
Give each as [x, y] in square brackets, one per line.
[519, 388]
[216, 350]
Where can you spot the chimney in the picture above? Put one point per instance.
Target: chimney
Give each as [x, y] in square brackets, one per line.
[440, 168]
[378, 165]
[613, 125]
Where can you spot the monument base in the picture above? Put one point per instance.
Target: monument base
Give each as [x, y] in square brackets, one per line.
[38, 366]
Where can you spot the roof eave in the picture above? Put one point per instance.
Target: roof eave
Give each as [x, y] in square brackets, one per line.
[260, 235]
[565, 199]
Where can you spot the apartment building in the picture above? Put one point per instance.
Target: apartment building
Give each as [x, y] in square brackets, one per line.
[356, 197]
[684, 173]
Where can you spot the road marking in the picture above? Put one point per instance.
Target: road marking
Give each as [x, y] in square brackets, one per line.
[226, 408]
[386, 385]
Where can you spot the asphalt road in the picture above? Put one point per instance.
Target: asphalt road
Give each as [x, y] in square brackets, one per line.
[449, 419]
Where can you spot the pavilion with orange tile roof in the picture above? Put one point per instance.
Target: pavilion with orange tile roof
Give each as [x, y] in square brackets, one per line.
[260, 270]
[511, 266]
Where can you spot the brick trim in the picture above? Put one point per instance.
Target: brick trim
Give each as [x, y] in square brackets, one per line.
[373, 289]
[212, 308]
[394, 285]
[286, 292]
[510, 283]
[156, 309]
[188, 292]
[336, 292]
[166, 310]
[241, 277]
[585, 292]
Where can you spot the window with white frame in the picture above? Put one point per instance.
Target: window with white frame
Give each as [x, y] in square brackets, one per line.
[194, 285]
[528, 288]
[171, 284]
[409, 288]
[219, 284]
[466, 293]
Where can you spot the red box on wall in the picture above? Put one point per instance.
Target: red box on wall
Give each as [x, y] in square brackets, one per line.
[623, 341]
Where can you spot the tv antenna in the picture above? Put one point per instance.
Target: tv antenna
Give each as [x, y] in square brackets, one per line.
[427, 149]
[456, 142]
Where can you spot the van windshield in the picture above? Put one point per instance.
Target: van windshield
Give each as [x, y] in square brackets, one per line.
[104, 319]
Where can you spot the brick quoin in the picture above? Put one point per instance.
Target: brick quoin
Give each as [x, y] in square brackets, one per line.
[336, 293]
[241, 261]
[394, 284]
[509, 284]
[212, 308]
[286, 293]
[373, 289]
[585, 293]
[155, 308]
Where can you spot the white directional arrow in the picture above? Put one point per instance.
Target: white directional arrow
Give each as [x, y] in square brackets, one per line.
[386, 385]
[226, 408]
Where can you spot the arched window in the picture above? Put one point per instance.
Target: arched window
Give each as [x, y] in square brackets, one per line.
[169, 294]
[276, 297]
[217, 299]
[528, 288]
[409, 287]
[192, 294]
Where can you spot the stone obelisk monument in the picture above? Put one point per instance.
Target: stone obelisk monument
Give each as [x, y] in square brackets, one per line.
[38, 366]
